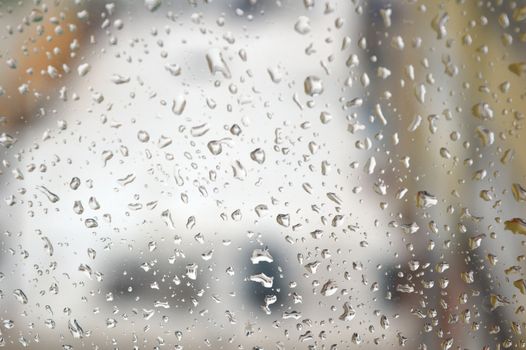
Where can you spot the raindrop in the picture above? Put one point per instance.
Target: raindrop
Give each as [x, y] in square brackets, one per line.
[261, 255]
[482, 111]
[74, 184]
[516, 225]
[91, 223]
[7, 140]
[258, 156]
[53, 198]
[216, 63]
[179, 104]
[302, 25]
[263, 279]
[313, 85]
[83, 69]
[75, 329]
[283, 220]
[143, 136]
[425, 200]
[329, 288]
[152, 5]
[20, 296]
[348, 312]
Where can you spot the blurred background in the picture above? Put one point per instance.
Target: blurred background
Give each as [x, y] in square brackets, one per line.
[262, 174]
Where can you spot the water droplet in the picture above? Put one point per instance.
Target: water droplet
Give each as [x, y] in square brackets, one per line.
[106, 156]
[487, 137]
[329, 288]
[283, 220]
[519, 192]
[78, 208]
[420, 93]
[152, 5]
[53, 198]
[91, 223]
[179, 104]
[216, 63]
[313, 85]
[261, 255]
[425, 200]
[199, 130]
[47, 245]
[520, 284]
[164, 141]
[439, 24]
[370, 165]
[83, 69]
[348, 312]
[261, 210]
[263, 279]
[191, 271]
[302, 25]
[173, 68]
[119, 79]
[258, 155]
[516, 225]
[497, 301]
[75, 329]
[215, 147]
[519, 14]
[128, 179]
[74, 184]
[518, 68]
[20, 296]
[8, 324]
[475, 241]
[92, 253]
[482, 111]
[143, 136]
[111, 323]
[7, 140]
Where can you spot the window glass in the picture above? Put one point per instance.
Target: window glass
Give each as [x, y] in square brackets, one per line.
[262, 174]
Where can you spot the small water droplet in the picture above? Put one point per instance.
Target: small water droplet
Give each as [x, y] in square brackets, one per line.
[261, 255]
[74, 184]
[264, 280]
[425, 200]
[143, 136]
[152, 5]
[258, 155]
[302, 25]
[53, 198]
[313, 85]
[216, 63]
[75, 329]
[20, 296]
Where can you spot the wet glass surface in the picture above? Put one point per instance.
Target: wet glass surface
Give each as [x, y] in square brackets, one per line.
[262, 174]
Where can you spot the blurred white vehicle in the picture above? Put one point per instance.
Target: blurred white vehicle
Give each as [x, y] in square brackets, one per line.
[196, 184]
